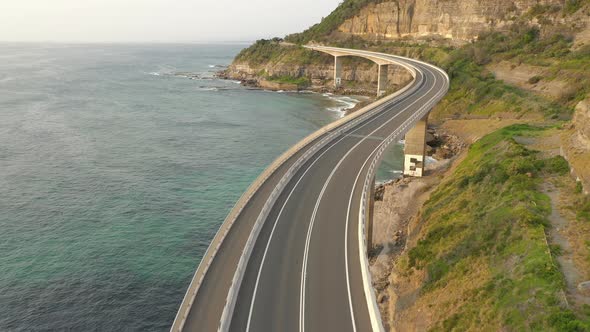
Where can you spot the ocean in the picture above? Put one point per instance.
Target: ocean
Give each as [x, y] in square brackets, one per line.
[117, 165]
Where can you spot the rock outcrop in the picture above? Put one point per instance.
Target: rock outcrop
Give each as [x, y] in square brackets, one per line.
[362, 73]
[450, 21]
[582, 124]
[576, 144]
[459, 20]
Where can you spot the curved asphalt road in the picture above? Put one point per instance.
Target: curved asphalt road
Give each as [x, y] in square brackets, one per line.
[305, 272]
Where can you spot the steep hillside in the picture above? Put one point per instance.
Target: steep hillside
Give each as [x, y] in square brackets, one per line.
[480, 257]
[268, 62]
[455, 20]
[398, 25]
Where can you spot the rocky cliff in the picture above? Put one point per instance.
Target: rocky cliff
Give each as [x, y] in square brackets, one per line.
[582, 124]
[371, 24]
[576, 144]
[359, 76]
[459, 20]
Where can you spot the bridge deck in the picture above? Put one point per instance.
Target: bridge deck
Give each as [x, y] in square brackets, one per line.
[305, 271]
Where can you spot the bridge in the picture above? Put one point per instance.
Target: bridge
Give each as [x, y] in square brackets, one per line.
[292, 253]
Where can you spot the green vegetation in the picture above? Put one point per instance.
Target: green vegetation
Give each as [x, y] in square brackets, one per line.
[557, 165]
[474, 90]
[583, 208]
[265, 51]
[572, 6]
[483, 237]
[535, 79]
[579, 187]
[299, 81]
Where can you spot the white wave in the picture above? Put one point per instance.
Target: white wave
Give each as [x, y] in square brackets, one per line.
[154, 73]
[430, 161]
[236, 82]
[212, 66]
[341, 112]
[343, 104]
[214, 88]
[205, 88]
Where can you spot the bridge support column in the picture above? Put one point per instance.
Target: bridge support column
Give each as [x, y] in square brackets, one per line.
[337, 72]
[382, 82]
[415, 149]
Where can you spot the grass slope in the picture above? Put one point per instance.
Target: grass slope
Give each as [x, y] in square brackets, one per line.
[483, 244]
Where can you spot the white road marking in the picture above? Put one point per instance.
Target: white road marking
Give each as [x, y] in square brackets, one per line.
[359, 226]
[312, 222]
[377, 116]
[302, 298]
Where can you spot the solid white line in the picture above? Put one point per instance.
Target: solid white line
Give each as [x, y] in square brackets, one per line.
[376, 325]
[275, 225]
[347, 218]
[377, 116]
[312, 222]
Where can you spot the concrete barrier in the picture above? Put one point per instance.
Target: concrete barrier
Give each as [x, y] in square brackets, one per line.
[374, 313]
[214, 246]
[334, 133]
[332, 130]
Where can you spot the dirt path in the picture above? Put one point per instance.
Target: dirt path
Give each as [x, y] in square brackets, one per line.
[558, 234]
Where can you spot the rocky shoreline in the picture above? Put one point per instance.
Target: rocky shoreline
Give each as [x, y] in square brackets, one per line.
[317, 86]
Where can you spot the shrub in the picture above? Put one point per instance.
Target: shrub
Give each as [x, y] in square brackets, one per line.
[566, 321]
[557, 165]
[535, 79]
[583, 213]
[572, 6]
[579, 187]
[436, 271]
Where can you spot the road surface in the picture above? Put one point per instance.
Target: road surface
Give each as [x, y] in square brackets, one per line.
[304, 271]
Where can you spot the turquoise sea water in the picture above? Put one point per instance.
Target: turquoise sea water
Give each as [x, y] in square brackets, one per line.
[116, 171]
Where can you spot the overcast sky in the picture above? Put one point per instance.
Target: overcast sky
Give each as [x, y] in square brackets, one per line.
[156, 20]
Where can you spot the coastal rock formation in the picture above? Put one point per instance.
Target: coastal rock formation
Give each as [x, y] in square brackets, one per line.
[459, 20]
[584, 287]
[576, 144]
[582, 125]
[320, 75]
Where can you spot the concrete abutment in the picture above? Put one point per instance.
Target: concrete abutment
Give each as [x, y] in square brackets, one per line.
[382, 80]
[337, 71]
[415, 149]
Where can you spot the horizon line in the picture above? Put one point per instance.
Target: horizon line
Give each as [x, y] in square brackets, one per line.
[245, 41]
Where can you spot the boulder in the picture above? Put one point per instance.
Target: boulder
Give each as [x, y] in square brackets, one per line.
[584, 288]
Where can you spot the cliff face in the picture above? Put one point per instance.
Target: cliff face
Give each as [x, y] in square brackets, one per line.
[460, 20]
[363, 74]
[582, 124]
[576, 144]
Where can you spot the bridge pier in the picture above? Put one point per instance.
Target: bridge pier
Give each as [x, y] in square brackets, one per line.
[337, 72]
[415, 149]
[382, 80]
